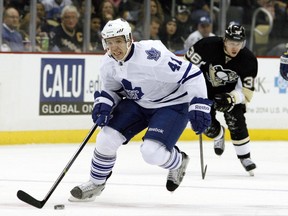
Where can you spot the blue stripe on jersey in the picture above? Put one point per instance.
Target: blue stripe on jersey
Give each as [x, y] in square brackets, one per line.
[191, 76]
[160, 100]
[184, 94]
[186, 72]
[166, 95]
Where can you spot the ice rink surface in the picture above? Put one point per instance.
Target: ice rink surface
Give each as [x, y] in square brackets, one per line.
[138, 189]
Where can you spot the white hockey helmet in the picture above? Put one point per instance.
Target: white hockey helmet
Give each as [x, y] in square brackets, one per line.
[114, 28]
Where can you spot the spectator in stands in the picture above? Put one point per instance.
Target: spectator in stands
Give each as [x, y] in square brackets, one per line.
[11, 38]
[155, 24]
[154, 28]
[136, 20]
[204, 29]
[40, 35]
[199, 8]
[185, 25]
[22, 6]
[155, 11]
[129, 10]
[95, 34]
[24, 31]
[116, 3]
[107, 11]
[53, 8]
[46, 24]
[82, 10]
[67, 37]
[170, 36]
[167, 6]
[96, 4]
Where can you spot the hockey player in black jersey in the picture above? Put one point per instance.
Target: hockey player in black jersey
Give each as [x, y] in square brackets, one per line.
[230, 69]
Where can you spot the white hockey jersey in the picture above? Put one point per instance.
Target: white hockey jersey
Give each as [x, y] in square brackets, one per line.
[152, 76]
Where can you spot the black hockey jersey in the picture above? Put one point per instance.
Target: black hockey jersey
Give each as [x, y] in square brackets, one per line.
[64, 41]
[222, 72]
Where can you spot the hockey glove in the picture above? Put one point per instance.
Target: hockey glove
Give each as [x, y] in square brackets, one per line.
[224, 102]
[102, 108]
[199, 114]
[284, 65]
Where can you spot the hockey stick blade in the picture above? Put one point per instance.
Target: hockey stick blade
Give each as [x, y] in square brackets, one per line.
[30, 200]
[204, 172]
[39, 204]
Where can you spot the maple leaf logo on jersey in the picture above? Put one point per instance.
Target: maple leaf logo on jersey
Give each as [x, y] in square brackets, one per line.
[218, 76]
[153, 54]
[132, 93]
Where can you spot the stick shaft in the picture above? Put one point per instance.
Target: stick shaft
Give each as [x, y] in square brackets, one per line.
[203, 170]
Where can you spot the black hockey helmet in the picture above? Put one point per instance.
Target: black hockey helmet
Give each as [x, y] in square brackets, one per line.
[235, 32]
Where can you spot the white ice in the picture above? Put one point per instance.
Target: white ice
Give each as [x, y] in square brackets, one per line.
[138, 189]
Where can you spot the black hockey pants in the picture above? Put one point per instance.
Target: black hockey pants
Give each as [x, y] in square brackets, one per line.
[235, 121]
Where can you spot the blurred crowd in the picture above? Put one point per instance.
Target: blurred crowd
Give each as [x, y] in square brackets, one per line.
[59, 23]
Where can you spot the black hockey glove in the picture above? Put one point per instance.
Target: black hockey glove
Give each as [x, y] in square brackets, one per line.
[284, 65]
[102, 108]
[199, 114]
[224, 102]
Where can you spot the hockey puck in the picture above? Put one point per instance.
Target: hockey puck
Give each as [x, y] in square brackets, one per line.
[59, 207]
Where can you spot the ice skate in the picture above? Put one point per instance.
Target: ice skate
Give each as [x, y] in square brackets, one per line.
[176, 176]
[86, 192]
[219, 145]
[248, 165]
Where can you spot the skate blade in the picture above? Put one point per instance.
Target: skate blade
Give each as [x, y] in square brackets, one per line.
[251, 173]
[73, 199]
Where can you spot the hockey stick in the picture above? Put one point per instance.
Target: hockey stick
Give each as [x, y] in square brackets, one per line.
[203, 170]
[39, 204]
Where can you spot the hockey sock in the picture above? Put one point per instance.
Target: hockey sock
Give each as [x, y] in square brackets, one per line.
[101, 167]
[219, 135]
[174, 160]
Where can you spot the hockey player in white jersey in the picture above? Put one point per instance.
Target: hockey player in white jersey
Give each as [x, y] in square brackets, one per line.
[144, 85]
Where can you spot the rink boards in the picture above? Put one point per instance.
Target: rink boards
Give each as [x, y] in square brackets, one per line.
[47, 98]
